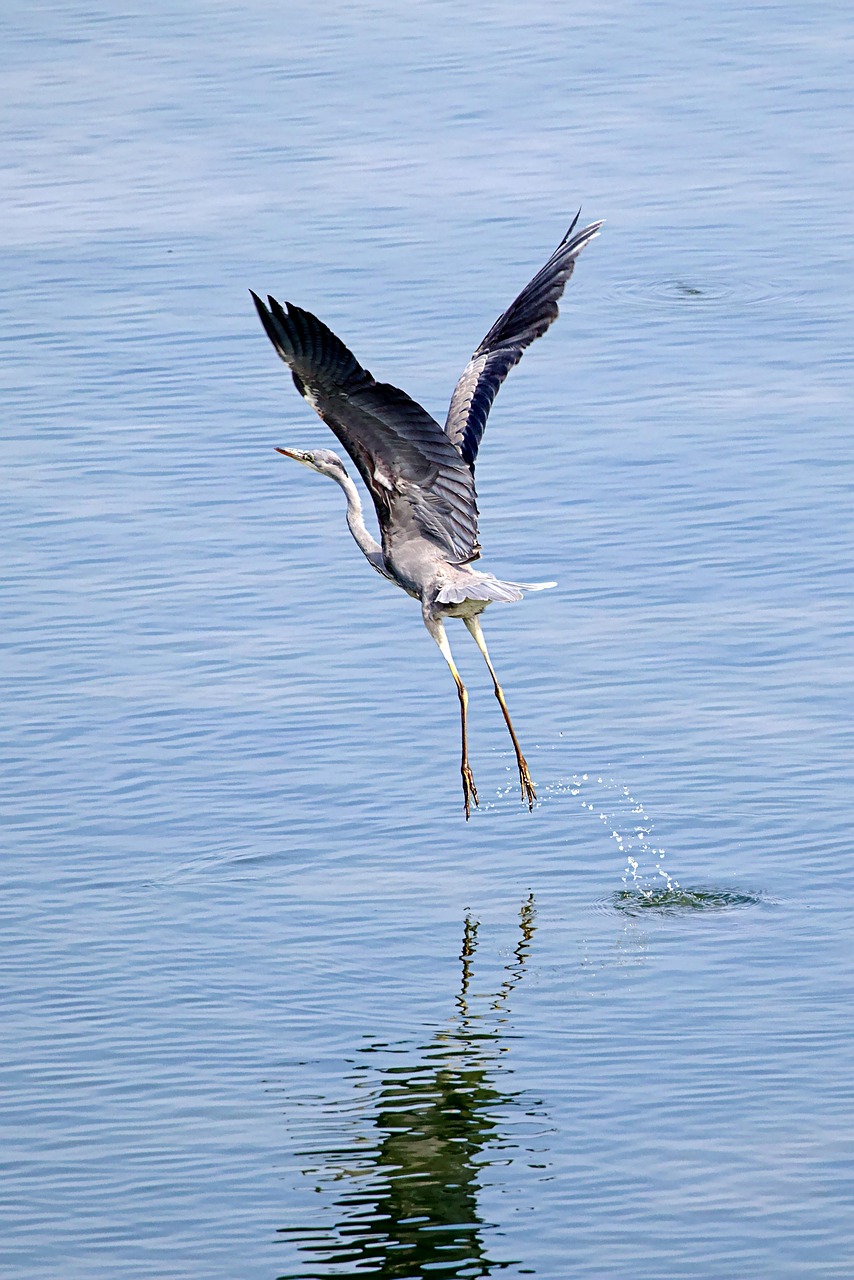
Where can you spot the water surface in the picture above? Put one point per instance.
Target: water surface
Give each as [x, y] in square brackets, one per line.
[271, 1007]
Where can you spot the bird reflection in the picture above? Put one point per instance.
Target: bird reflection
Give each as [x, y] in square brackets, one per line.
[408, 1204]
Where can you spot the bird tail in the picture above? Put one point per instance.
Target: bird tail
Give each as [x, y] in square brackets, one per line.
[483, 586]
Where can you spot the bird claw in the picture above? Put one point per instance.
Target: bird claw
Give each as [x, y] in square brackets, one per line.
[469, 790]
[528, 792]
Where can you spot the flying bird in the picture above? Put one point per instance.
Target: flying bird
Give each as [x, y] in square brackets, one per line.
[419, 474]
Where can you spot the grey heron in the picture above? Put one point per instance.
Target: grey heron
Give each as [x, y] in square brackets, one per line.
[420, 475]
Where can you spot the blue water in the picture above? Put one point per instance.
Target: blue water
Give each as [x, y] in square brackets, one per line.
[270, 1006]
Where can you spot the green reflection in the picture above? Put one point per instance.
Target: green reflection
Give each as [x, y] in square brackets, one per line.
[407, 1203]
[677, 899]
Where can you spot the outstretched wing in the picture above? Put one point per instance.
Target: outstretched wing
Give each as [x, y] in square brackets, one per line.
[526, 319]
[412, 470]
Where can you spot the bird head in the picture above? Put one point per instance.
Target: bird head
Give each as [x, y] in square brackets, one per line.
[323, 461]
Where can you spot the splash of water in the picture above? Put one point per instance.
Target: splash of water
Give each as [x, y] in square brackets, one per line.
[625, 818]
[647, 887]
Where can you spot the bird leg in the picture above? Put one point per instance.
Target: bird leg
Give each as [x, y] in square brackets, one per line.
[469, 789]
[528, 792]
[437, 631]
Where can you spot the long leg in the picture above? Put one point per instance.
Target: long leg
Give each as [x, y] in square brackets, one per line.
[528, 792]
[437, 630]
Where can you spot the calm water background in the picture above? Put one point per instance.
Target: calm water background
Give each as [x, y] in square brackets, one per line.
[270, 1007]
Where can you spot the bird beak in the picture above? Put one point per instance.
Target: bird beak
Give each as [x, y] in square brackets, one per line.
[297, 455]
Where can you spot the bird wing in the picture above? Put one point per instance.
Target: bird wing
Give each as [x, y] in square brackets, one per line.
[526, 319]
[406, 460]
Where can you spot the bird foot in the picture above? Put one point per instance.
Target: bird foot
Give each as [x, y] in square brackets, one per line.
[528, 792]
[469, 790]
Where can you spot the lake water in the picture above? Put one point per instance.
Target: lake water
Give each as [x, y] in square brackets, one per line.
[271, 1008]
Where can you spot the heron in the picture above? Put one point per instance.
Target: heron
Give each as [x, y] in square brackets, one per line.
[420, 475]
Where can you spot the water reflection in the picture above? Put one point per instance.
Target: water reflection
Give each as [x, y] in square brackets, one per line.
[405, 1186]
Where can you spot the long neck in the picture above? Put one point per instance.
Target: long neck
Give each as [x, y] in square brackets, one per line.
[366, 542]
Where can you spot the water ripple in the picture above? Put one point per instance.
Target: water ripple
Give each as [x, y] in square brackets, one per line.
[698, 291]
[680, 900]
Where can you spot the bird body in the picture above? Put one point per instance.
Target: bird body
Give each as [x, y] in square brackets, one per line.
[421, 476]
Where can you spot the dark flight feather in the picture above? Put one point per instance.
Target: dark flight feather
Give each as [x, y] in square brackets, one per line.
[524, 320]
[403, 455]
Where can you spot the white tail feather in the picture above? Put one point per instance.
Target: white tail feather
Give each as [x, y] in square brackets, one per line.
[483, 586]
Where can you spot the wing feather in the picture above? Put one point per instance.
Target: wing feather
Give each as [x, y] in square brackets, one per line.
[411, 468]
[524, 320]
